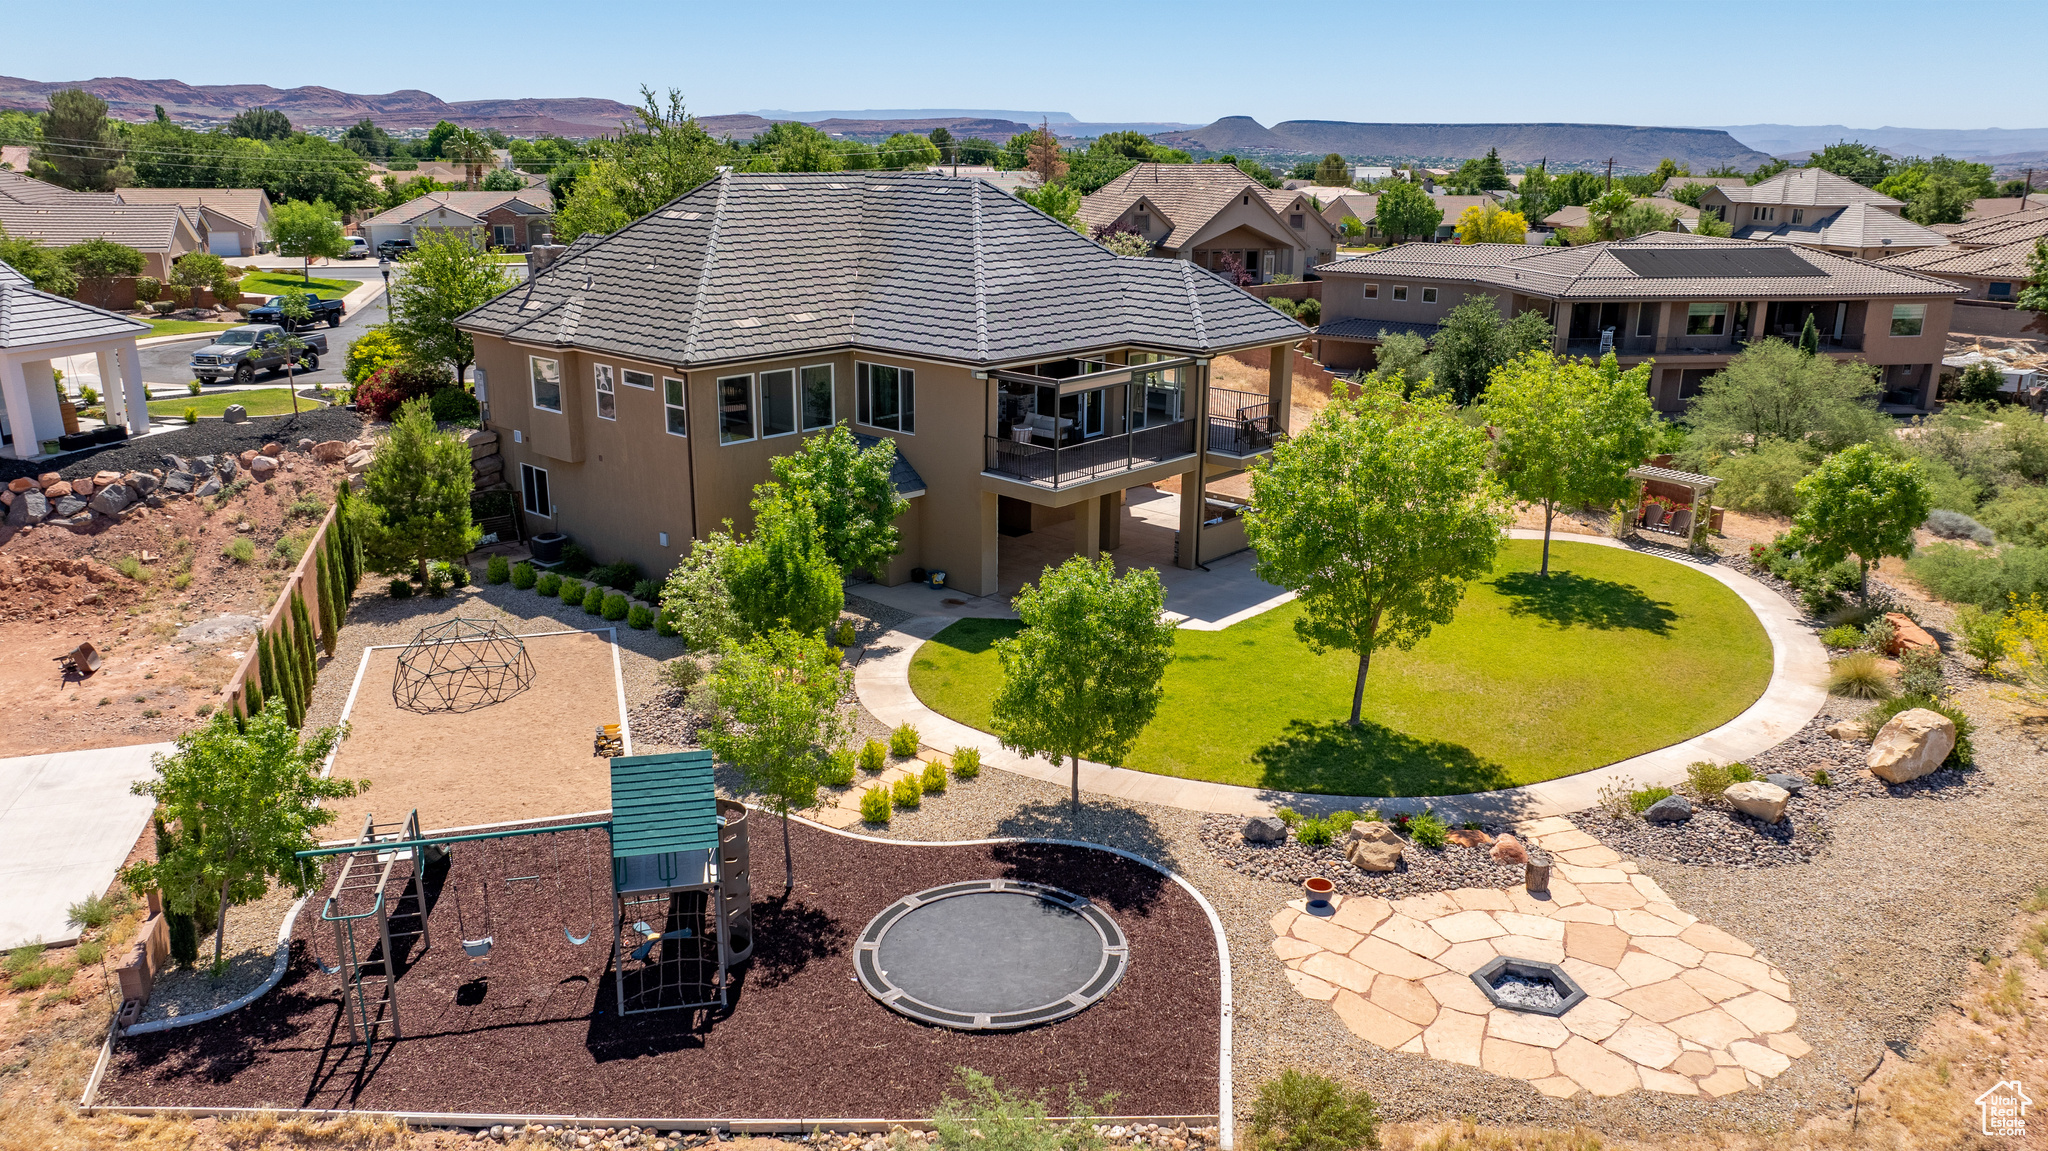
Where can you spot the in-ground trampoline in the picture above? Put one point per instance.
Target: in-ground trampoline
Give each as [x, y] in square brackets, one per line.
[991, 955]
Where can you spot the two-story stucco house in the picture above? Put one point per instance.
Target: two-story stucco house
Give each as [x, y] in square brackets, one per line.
[1207, 213]
[1815, 208]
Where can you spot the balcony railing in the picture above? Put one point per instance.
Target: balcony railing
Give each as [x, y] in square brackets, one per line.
[1055, 467]
[1703, 345]
[1240, 423]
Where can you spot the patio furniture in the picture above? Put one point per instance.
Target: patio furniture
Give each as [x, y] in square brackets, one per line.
[1683, 520]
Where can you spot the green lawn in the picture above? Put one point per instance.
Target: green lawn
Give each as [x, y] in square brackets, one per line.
[181, 327]
[1615, 655]
[259, 401]
[275, 283]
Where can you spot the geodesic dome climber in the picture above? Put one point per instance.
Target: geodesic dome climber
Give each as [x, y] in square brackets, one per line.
[460, 665]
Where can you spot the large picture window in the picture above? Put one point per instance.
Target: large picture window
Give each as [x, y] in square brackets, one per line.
[885, 397]
[817, 396]
[676, 407]
[533, 491]
[1908, 319]
[735, 409]
[1706, 319]
[778, 403]
[547, 383]
[607, 395]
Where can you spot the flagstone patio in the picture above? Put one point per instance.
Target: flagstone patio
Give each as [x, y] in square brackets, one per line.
[1672, 1004]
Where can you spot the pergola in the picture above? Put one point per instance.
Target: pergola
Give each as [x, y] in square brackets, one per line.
[1687, 521]
[36, 328]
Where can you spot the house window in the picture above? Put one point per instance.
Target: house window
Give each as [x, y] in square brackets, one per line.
[607, 397]
[638, 379]
[1143, 223]
[547, 383]
[1762, 213]
[1267, 262]
[1371, 291]
[817, 396]
[1706, 319]
[676, 407]
[483, 393]
[533, 491]
[1799, 215]
[501, 235]
[1429, 295]
[1297, 221]
[885, 397]
[1401, 293]
[735, 409]
[2000, 291]
[778, 403]
[1908, 319]
[1646, 319]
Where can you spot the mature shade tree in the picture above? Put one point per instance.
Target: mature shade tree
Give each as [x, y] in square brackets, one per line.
[2034, 297]
[1534, 191]
[1940, 200]
[502, 180]
[1376, 516]
[1304, 170]
[977, 151]
[775, 715]
[1404, 358]
[1406, 210]
[1863, 163]
[849, 487]
[1689, 194]
[261, 124]
[304, 230]
[1860, 502]
[1568, 431]
[1489, 223]
[415, 505]
[1473, 340]
[781, 575]
[98, 263]
[908, 150]
[1492, 175]
[645, 166]
[1056, 200]
[244, 800]
[793, 146]
[1353, 228]
[943, 141]
[447, 273]
[79, 148]
[1083, 677]
[45, 270]
[1769, 391]
[1333, 172]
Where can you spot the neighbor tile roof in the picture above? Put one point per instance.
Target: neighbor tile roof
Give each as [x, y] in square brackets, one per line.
[471, 204]
[1994, 248]
[1808, 187]
[1597, 271]
[1860, 225]
[1576, 215]
[902, 476]
[22, 189]
[1994, 206]
[912, 263]
[145, 227]
[29, 317]
[1189, 195]
[1361, 329]
[1672, 185]
[241, 204]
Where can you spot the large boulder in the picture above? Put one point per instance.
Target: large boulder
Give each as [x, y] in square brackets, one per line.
[29, 507]
[1468, 837]
[234, 414]
[180, 483]
[113, 499]
[141, 482]
[1264, 829]
[1371, 831]
[66, 506]
[1508, 849]
[1914, 743]
[330, 452]
[1907, 635]
[262, 468]
[1371, 855]
[358, 462]
[1758, 800]
[1791, 783]
[1670, 809]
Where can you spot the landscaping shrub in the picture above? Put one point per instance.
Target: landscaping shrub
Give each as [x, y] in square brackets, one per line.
[400, 589]
[96, 911]
[437, 581]
[903, 742]
[523, 576]
[132, 568]
[372, 350]
[681, 673]
[1741, 773]
[665, 627]
[1842, 637]
[1763, 480]
[839, 767]
[647, 591]
[908, 793]
[498, 570]
[621, 576]
[991, 1119]
[966, 762]
[548, 584]
[1859, 677]
[1987, 579]
[1639, 801]
[453, 405]
[2019, 515]
[1879, 635]
[1964, 754]
[1309, 311]
[27, 970]
[1920, 673]
[1429, 831]
[1980, 632]
[1957, 526]
[1341, 821]
[1302, 1111]
[640, 617]
[593, 600]
[874, 757]
[576, 561]
[1708, 780]
[571, 591]
[615, 606]
[382, 391]
[874, 804]
[1287, 815]
[1821, 778]
[459, 574]
[845, 635]
[933, 778]
[1314, 833]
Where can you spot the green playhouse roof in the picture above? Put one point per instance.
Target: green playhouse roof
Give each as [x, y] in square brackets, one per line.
[663, 803]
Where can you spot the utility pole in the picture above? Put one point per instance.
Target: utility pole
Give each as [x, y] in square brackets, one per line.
[2028, 190]
[1610, 174]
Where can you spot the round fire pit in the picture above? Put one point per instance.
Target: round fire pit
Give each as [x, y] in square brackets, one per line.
[1528, 985]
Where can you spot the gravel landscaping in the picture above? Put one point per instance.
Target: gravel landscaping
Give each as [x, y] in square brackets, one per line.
[251, 953]
[207, 437]
[1420, 871]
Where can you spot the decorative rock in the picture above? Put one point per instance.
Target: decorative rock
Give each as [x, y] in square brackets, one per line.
[1911, 745]
[1758, 800]
[1536, 873]
[83, 489]
[273, 450]
[78, 523]
[1468, 837]
[102, 479]
[1508, 849]
[48, 478]
[59, 490]
[1670, 809]
[113, 499]
[138, 481]
[1790, 783]
[1848, 731]
[262, 468]
[6, 498]
[205, 461]
[227, 469]
[67, 506]
[20, 484]
[210, 487]
[153, 500]
[29, 507]
[330, 452]
[1371, 831]
[180, 483]
[358, 462]
[235, 414]
[1907, 635]
[247, 457]
[172, 463]
[1264, 829]
[1371, 855]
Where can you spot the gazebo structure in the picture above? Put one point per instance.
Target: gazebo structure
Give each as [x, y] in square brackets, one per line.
[37, 328]
[1674, 502]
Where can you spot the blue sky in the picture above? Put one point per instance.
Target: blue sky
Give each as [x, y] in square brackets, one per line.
[1863, 64]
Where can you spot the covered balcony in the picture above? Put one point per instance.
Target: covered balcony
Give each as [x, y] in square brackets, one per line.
[1073, 421]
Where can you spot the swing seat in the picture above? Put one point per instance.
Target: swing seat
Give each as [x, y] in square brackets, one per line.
[574, 938]
[478, 948]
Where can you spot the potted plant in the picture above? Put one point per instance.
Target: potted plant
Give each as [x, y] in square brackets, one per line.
[1318, 889]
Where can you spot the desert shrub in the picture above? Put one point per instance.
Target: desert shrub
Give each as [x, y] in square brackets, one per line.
[1288, 816]
[990, 1119]
[681, 673]
[571, 591]
[1742, 773]
[874, 804]
[874, 757]
[933, 778]
[1842, 637]
[437, 581]
[1707, 780]
[1980, 632]
[148, 289]
[1858, 677]
[89, 952]
[1920, 672]
[1763, 480]
[132, 567]
[1963, 755]
[498, 570]
[96, 911]
[548, 584]
[1341, 821]
[966, 762]
[593, 600]
[615, 606]
[383, 390]
[2019, 515]
[1879, 635]
[909, 792]
[1429, 831]
[845, 635]
[647, 591]
[27, 969]
[1987, 579]
[400, 588]
[640, 617]
[1303, 1111]
[1314, 833]
[903, 741]
[453, 405]
[241, 550]
[839, 767]
[1821, 778]
[1954, 525]
[1282, 304]
[1639, 801]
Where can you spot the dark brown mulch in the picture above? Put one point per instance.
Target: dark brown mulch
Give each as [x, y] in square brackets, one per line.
[801, 1038]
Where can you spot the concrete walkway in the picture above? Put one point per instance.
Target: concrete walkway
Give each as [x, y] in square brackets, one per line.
[67, 822]
[1799, 668]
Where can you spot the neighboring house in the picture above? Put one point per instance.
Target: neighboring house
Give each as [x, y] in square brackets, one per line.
[1365, 206]
[230, 221]
[1009, 180]
[1367, 172]
[15, 157]
[641, 383]
[515, 220]
[19, 189]
[1672, 185]
[1687, 302]
[1987, 258]
[161, 232]
[37, 328]
[1576, 216]
[1206, 213]
[1815, 208]
[1350, 203]
[1998, 206]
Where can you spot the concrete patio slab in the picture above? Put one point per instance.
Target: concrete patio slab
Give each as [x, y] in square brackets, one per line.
[67, 823]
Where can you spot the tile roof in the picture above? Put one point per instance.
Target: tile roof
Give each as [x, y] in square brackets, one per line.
[2001, 206]
[471, 204]
[1611, 270]
[913, 263]
[1358, 329]
[2028, 225]
[1672, 185]
[22, 189]
[2003, 262]
[1576, 215]
[1860, 225]
[1812, 187]
[245, 205]
[145, 227]
[1189, 195]
[29, 318]
[904, 478]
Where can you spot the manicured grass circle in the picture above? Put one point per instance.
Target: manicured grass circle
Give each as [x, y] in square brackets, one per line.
[1616, 654]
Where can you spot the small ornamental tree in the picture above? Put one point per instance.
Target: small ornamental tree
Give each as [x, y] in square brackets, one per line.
[849, 488]
[98, 263]
[1860, 502]
[1569, 430]
[304, 230]
[1489, 223]
[445, 275]
[1405, 210]
[244, 801]
[1376, 516]
[415, 505]
[1083, 677]
[696, 604]
[782, 576]
[1056, 200]
[775, 716]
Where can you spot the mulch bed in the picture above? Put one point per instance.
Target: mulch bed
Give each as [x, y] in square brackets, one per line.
[207, 437]
[1421, 870]
[801, 1039]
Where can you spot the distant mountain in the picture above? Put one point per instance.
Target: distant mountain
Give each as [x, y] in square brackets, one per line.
[1632, 148]
[1961, 143]
[313, 107]
[916, 114]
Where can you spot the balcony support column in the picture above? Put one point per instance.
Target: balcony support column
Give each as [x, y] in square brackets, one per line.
[1280, 385]
[1088, 527]
[1191, 500]
[1112, 536]
[988, 580]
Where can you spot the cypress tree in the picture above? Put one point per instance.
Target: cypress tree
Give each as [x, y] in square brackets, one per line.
[323, 575]
[266, 669]
[286, 655]
[1809, 336]
[302, 636]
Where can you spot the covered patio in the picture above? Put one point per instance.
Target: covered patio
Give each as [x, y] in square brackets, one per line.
[38, 328]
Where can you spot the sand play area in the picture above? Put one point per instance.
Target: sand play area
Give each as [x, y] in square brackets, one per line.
[524, 757]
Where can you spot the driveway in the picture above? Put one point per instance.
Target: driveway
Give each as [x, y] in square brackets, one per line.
[67, 823]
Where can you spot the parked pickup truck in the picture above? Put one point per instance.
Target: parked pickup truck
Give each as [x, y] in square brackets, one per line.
[328, 310]
[239, 353]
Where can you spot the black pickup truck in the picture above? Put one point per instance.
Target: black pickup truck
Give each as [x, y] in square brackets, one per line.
[329, 310]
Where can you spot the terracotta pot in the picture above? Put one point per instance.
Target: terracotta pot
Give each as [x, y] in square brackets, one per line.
[1318, 890]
